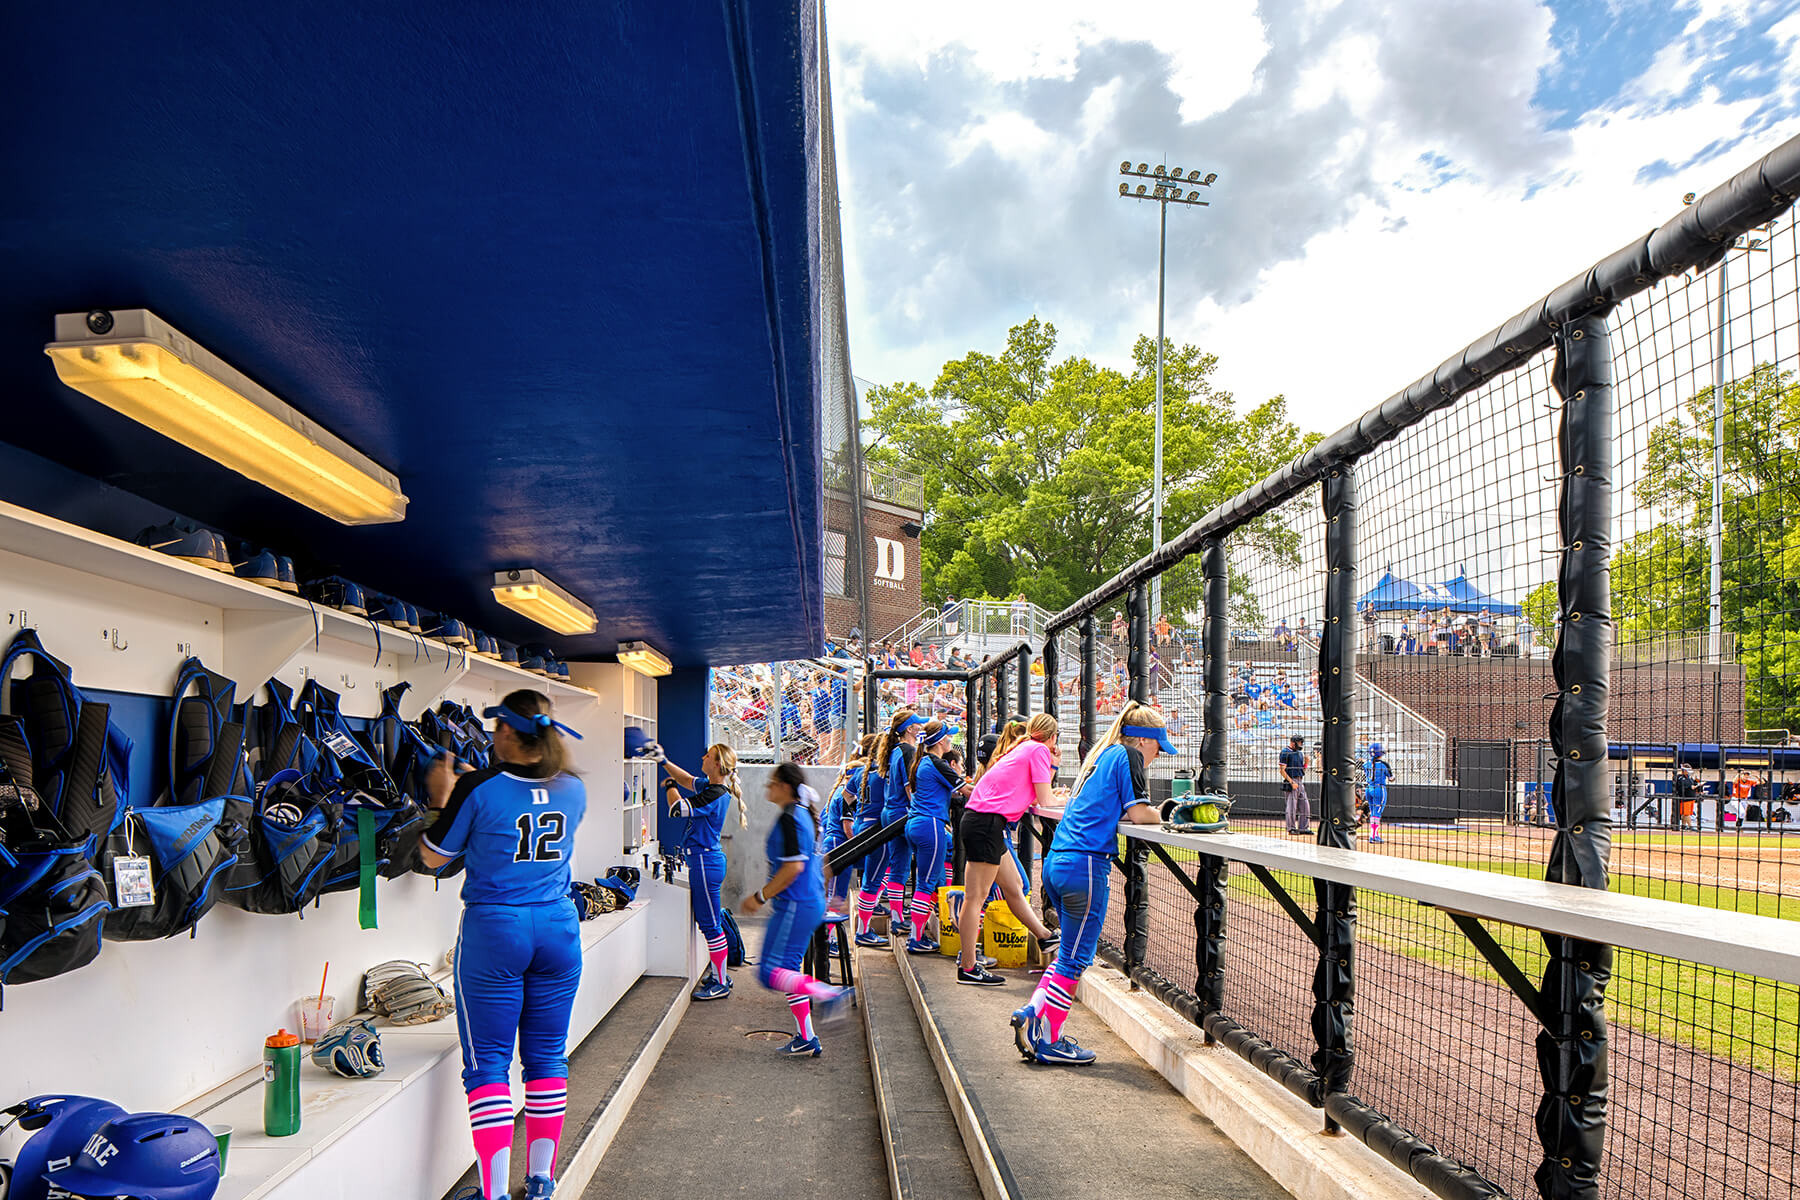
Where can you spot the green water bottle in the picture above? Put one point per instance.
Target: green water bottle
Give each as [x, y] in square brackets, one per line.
[281, 1085]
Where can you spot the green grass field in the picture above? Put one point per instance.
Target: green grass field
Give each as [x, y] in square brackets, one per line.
[1732, 1016]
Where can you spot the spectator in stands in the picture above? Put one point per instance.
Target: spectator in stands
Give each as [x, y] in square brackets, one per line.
[1037, 666]
[1283, 691]
[1407, 644]
[1265, 715]
[1242, 719]
[1021, 616]
[1490, 641]
[1188, 662]
[951, 615]
[1252, 689]
[1282, 636]
[1177, 722]
[1312, 689]
[917, 655]
[1164, 631]
[1304, 633]
[1119, 628]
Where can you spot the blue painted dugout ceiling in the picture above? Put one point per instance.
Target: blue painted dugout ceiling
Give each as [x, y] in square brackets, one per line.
[550, 264]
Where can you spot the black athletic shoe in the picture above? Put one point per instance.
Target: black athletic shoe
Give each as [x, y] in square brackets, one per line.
[980, 977]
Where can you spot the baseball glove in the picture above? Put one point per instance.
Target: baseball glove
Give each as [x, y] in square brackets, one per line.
[591, 899]
[1199, 814]
[401, 992]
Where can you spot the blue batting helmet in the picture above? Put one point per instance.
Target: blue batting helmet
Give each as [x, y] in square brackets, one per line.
[146, 1156]
[61, 1126]
[1375, 750]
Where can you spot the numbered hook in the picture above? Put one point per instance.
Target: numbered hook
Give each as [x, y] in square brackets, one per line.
[119, 643]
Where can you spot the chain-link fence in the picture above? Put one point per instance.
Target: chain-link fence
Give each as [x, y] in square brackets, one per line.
[1536, 618]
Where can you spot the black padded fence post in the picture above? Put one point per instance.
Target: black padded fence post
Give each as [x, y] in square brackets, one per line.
[1136, 860]
[1023, 666]
[1138, 666]
[1213, 874]
[1088, 669]
[1334, 983]
[1002, 697]
[1572, 1051]
[1052, 664]
[871, 698]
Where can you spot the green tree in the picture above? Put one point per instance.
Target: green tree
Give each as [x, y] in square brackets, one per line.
[1038, 472]
[1660, 577]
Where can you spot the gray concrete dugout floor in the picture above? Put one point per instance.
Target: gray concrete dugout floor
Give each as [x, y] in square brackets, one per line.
[724, 1115]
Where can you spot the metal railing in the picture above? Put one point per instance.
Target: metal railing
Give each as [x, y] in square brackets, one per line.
[1518, 440]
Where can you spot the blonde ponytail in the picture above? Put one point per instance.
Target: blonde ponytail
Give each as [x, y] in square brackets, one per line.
[726, 757]
[1132, 714]
[884, 749]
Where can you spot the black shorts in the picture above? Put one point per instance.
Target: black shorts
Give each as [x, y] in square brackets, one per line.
[983, 836]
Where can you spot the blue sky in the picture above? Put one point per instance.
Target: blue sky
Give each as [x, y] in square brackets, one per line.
[1395, 178]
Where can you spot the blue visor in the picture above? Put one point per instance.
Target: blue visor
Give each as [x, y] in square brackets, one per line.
[1155, 733]
[529, 726]
[932, 739]
[907, 724]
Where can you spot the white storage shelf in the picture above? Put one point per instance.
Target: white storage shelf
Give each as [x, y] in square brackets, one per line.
[151, 610]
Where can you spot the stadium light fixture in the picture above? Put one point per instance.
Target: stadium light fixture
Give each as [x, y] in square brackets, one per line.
[530, 594]
[1168, 191]
[142, 367]
[644, 658]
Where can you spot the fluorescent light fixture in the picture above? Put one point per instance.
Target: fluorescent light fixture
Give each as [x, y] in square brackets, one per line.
[529, 594]
[137, 364]
[644, 659]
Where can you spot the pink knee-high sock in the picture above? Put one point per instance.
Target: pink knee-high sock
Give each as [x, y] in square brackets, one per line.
[491, 1124]
[718, 949]
[796, 984]
[922, 905]
[545, 1100]
[866, 901]
[896, 902]
[801, 1007]
[1059, 997]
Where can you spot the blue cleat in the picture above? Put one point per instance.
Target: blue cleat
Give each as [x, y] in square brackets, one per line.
[539, 1187]
[802, 1047]
[915, 946]
[833, 1009]
[339, 593]
[1375, 837]
[259, 567]
[178, 539]
[872, 940]
[712, 991]
[1028, 1031]
[1064, 1051]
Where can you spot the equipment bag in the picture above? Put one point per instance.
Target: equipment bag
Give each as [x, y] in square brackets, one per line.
[80, 760]
[189, 857]
[734, 941]
[53, 897]
[206, 743]
[281, 744]
[318, 714]
[288, 835]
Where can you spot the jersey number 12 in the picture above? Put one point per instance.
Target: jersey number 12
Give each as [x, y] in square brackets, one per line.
[537, 835]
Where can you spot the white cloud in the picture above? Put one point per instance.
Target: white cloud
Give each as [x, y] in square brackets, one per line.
[1387, 190]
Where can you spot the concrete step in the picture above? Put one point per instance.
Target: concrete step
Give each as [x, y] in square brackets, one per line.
[924, 1148]
[606, 1073]
[1115, 1127]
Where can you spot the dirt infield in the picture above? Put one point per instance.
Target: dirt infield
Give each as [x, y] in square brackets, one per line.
[1451, 1056]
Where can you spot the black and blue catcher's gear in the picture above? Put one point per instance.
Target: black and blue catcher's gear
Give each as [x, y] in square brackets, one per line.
[351, 1049]
[1199, 814]
[79, 762]
[190, 860]
[146, 1156]
[60, 1126]
[52, 899]
[292, 835]
[207, 755]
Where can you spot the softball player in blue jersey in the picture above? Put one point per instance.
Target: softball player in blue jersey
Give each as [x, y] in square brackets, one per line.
[709, 796]
[837, 822]
[934, 784]
[1113, 785]
[795, 897]
[1378, 773]
[891, 748]
[896, 802]
[518, 951]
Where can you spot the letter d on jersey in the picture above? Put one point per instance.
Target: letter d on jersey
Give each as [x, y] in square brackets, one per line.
[890, 559]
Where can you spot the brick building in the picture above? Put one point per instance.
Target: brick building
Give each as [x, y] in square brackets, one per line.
[892, 518]
[1509, 699]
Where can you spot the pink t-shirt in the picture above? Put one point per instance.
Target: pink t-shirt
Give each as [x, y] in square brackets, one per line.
[1010, 785]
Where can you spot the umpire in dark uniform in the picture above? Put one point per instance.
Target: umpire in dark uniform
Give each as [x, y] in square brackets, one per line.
[1293, 786]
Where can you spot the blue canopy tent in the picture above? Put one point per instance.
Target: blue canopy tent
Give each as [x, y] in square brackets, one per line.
[1394, 594]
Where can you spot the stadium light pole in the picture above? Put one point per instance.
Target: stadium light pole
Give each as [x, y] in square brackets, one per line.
[1165, 186]
[1715, 534]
